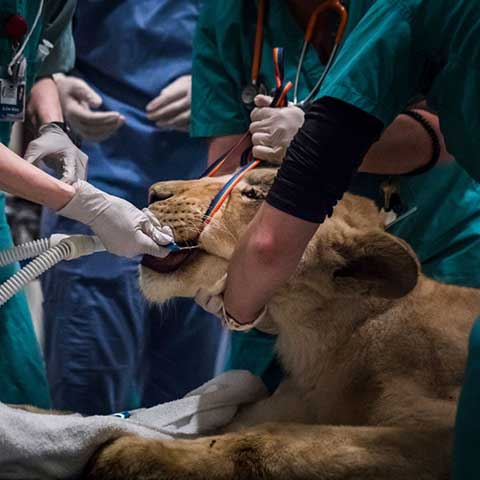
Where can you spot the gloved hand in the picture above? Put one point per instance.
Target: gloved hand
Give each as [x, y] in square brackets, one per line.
[58, 152]
[211, 300]
[172, 107]
[123, 229]
[77, 100]
[273, 129]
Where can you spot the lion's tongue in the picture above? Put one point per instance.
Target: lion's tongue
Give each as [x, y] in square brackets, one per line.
[168, 264]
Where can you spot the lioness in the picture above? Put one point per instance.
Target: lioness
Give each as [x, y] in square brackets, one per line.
[374, 352]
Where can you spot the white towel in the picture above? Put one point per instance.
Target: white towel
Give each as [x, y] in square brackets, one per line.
[39, 446]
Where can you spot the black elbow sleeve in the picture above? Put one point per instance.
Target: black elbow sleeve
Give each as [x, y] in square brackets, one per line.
[322, 159]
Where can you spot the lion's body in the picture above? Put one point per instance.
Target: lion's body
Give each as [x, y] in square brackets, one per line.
[374, 354]
[400, 367]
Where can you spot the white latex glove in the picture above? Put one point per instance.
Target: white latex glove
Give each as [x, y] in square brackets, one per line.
[58, 152]
[273, 129]
[123, 229]
[211, 300]
[77, 100]
[172, 107]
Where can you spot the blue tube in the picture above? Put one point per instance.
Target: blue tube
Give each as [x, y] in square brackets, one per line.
[173, 247]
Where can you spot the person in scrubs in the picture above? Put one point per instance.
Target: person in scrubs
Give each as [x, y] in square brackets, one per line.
[444, 231]
[22, 376]
[400, 48]
[36, 37]
[106, 349]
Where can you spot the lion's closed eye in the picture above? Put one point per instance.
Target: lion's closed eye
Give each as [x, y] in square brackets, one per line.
[254, 193]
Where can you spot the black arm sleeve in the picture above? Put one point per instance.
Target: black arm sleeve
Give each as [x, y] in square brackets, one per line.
[322, 159]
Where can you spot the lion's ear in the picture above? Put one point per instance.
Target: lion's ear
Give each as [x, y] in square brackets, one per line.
[377, 264]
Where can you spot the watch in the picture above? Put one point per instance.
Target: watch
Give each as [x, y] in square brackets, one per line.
[68, 130]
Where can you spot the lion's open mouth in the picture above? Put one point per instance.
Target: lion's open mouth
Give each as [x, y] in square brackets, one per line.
[172, 262]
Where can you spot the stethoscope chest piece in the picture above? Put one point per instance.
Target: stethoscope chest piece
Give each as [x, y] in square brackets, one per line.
[250, 92]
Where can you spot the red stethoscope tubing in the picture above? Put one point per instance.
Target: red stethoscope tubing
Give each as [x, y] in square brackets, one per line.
[333, 5]
[257, 49]
[329, 5]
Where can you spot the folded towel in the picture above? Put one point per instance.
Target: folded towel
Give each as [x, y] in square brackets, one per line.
[40, 446]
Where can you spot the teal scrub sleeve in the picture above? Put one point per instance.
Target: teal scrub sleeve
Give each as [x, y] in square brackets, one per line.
[62, 57]
[216, 90]
[255, 351]
[378, 69]
[58, 31]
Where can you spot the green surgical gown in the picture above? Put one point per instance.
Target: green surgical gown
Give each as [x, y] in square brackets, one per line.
[445, 231]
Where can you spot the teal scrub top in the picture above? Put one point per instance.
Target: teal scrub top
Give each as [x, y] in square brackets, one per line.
[402, 47]
[22, 374]
[445, 231]
[55, 27]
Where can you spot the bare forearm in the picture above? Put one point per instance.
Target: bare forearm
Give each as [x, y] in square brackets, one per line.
[44, 103]
[220, 145]
[270, 249]
[24, 180]
[404, 147]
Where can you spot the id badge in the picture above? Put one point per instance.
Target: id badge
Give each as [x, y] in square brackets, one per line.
[13, 93]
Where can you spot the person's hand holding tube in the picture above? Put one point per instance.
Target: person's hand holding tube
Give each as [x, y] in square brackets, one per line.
[123, 229]
[273, 129]
[171, 109]
[78, 99]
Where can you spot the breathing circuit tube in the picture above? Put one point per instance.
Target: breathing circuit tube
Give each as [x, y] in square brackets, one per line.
[24, 251]
[49, 252]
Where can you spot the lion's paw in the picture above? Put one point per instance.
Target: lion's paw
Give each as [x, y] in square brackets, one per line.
[135, 458]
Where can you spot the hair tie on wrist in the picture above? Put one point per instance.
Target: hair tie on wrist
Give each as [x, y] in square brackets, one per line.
[436, 149]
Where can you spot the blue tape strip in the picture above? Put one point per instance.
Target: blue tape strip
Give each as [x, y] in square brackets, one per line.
[173, 247]
[123, 415]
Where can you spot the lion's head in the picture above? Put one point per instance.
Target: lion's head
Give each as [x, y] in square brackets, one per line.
[350, 255]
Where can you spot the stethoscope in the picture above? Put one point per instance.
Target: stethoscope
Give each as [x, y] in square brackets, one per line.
[255, 86]
[279, 100]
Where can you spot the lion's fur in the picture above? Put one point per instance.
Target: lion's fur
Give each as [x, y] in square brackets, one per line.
[374, 353]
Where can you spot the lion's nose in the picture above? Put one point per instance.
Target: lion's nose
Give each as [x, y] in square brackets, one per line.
[159, 195]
